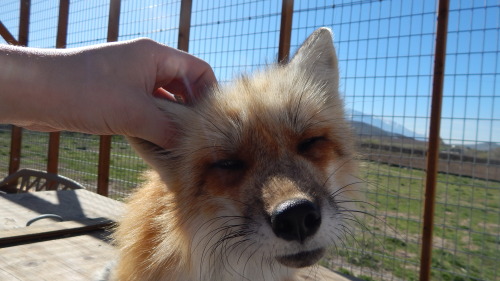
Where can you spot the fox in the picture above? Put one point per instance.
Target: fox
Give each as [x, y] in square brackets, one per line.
[259, 183]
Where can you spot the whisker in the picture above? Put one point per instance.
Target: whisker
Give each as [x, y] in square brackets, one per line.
[344, 189]
[347, 230]
[336, 170]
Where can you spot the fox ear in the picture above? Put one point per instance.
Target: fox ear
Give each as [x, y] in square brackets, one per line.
[156, 156]
[317, 57]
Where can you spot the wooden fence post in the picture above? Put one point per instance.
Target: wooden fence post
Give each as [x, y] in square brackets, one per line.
[434, 139]
[17, 132]
[7, 36]
[184, 25]
[24, 22]
[105, 141]
[285, 31]
[54, 137]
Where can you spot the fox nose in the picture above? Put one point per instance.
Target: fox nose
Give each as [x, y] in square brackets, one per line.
[295, 219]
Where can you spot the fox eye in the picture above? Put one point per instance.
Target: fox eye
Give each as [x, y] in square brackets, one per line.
[307, 144]
[229, 164]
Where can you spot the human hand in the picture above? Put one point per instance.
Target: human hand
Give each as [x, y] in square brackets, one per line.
[103, 89]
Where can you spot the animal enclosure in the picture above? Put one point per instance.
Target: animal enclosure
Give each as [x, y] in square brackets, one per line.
[407, 126]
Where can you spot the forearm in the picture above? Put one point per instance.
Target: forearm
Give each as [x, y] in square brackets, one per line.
[27, 79]
[101, 89]
[57, 89]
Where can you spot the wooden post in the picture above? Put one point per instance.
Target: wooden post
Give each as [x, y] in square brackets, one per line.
[15, 149]
[53, 153]
[434, 140]
[24, 22]
[54, 137]
[17, 132]
[285, 31]
[184, 25]
[103, 165]
[114, 20]
[105, 141]
[7, 36]
[62, 25]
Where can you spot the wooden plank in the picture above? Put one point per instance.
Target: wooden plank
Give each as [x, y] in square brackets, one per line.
[57, 229]
[72, 205]
[320, 273]
[76, 258]
[82, 257]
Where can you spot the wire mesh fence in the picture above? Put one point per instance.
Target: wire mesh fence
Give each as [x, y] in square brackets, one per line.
[468, 213]
[235, 37]
[4, 149]
[158, 20]
[386, 54]
[85, 18]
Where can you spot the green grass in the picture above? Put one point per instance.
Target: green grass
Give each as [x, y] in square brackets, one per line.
[78, 159]
[466, 232]
[467, 217]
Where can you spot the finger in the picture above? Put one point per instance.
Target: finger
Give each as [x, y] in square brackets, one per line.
[204, 82]
[164, 94]
[183, 74]
[176, 87]
[190, 91]
[158, 129]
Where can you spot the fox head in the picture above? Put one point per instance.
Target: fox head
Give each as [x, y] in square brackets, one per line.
[263, 167]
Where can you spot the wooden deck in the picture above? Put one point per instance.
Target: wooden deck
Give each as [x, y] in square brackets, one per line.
[79, 257]
[76, 249]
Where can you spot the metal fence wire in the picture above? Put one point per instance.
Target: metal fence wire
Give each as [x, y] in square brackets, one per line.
[386, 51]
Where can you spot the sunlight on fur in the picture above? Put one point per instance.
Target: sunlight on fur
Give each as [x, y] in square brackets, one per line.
[260, 182]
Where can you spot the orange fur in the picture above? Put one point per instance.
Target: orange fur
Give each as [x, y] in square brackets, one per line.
[244, 152]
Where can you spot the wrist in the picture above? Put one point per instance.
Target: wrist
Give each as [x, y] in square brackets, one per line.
[30, 80]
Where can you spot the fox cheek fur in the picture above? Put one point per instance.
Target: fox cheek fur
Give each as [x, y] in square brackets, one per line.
[257, 183]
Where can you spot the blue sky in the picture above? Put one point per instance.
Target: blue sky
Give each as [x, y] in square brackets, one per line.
[385, 49]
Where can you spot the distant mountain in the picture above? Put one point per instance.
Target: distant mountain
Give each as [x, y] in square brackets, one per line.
[364, 129]
[366, 124]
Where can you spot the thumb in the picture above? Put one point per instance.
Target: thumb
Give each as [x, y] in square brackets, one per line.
[157, 128]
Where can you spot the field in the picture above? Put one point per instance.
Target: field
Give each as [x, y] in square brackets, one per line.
[78, 158]
[385, 244]
[467, 228]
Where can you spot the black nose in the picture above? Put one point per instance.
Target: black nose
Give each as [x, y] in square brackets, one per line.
[296, 219]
